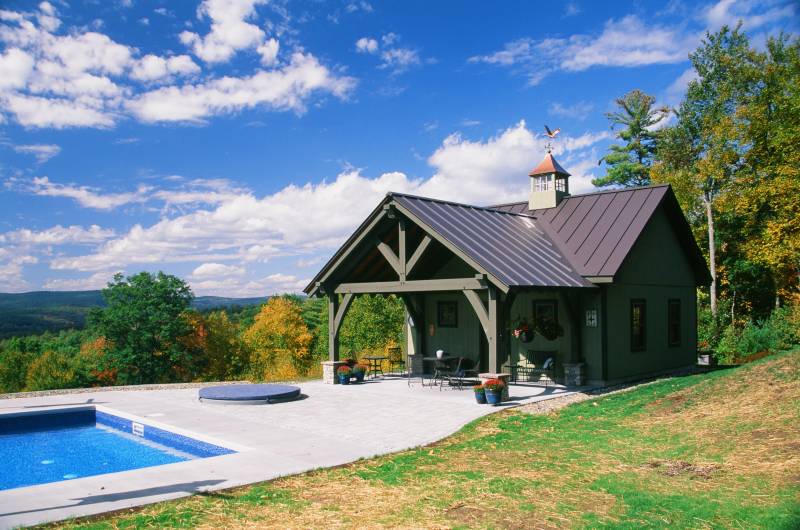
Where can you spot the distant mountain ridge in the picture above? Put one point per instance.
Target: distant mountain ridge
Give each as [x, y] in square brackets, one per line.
[40, 311]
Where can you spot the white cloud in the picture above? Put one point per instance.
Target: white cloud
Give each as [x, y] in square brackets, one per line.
[754, 14]
[98, 280]
[283, 89]
[86, 79]
[11, 271]
[42, 152]
[571, 9]
[229, 32]
[33, 111]
[15, 68]
[269, 52]
[303, 220]
[85, 196]
[627, 42]
[392, 57]
[216, 270]
[152, 67]
[677, 89]
[58, 235]
[366, 45]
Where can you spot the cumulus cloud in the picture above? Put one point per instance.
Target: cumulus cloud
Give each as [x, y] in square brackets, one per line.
[152, 67]
[216, 270]
[283, 89]
[51, 78]
[366, 45]
[229, 32]
[303, 221]
[42, 152]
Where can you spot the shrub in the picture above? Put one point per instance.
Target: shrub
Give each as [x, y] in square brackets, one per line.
[785, 325]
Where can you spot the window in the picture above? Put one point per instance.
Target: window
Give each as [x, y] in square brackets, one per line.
[674, 322]
[447, 314]
[638, 325]
[561, 184]
[543, 182]
[545, 309]
[591, 318]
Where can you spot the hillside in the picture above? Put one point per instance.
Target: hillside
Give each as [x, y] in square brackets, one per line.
[39, 311]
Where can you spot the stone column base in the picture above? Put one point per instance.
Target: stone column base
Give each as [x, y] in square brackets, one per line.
[329, 371]
[416, 365]
[504, 377]
[574, 374]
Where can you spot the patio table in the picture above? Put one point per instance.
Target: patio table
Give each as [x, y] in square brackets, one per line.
[375, 364]
[433, 358]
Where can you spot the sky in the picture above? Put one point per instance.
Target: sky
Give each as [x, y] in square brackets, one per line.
[238, 143]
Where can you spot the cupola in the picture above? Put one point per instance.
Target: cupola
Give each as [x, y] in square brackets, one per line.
[549, 184]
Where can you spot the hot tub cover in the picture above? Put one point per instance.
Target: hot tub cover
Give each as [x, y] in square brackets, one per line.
[261, 393]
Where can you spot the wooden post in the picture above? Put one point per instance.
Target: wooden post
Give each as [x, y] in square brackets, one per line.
[401, 248]
[494, 328]
[333, 332]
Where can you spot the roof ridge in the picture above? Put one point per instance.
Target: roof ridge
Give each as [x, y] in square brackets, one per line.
[599, 192]
[461, 204]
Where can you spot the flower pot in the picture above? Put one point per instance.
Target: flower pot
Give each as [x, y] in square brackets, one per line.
[439, 354]
[359, 377]
[344, 379]
[480, 397]
[494, 398]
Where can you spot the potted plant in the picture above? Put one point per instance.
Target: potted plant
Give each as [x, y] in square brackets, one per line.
[549, 328]
[358, 372]
[522, 330]
[343, 372]
[494, 391]
[480, 394]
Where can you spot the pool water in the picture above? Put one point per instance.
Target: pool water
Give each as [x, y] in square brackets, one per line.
[42, 448]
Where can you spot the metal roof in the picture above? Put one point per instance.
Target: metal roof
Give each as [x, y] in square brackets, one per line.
[548, 165]
[596, 231]
[511, 247]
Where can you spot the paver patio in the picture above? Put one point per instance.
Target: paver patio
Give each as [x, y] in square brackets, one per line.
[332, 425]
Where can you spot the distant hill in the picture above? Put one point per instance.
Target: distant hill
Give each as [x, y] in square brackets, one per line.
[39, 311]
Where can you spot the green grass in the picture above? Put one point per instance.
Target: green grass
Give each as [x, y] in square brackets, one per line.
[717, 450]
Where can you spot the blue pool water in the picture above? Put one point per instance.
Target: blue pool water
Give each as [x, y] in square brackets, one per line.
[41, 448]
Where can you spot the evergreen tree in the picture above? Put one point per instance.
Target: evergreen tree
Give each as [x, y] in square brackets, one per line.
[629, 163]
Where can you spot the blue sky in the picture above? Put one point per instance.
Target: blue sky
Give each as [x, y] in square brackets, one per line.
[237, 143]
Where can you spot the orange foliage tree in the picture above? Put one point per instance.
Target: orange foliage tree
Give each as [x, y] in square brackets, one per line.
[279, 340]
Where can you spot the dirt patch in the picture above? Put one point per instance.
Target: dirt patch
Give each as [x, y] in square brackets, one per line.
[673, 468]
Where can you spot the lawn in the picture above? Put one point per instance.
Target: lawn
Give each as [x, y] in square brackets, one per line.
[717, 450]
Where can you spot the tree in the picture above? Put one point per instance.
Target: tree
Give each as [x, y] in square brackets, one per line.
[226, 352]
[144, 322]
[372, 322]
[702, 154]
[279, 339]
[629, 164]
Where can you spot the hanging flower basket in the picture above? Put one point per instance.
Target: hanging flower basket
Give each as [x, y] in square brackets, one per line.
[523, 332]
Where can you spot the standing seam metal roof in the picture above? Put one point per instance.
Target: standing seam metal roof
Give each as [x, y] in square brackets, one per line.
[510, 247]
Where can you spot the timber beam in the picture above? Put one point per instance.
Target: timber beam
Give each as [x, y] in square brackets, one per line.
[412, 286]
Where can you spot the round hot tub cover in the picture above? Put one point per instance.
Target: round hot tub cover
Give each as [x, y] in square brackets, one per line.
[249, 394]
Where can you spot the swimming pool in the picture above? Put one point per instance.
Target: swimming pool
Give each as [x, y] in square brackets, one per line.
[50, 446]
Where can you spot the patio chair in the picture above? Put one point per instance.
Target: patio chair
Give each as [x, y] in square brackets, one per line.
[456, 374]
[395, 355]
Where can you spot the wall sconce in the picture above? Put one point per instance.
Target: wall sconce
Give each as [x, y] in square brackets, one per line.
[431, 330]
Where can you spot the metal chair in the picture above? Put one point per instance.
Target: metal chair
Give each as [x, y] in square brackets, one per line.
[395, 355]
[456, 375]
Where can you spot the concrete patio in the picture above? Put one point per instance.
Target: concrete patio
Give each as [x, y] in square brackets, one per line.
[332, 425]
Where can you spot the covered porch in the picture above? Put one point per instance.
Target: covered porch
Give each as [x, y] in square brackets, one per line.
[466, 278]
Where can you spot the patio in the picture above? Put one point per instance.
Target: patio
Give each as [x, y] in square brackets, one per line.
[333, 425]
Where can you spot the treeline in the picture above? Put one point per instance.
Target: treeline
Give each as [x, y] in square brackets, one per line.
[148, 333]
[731, 152]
